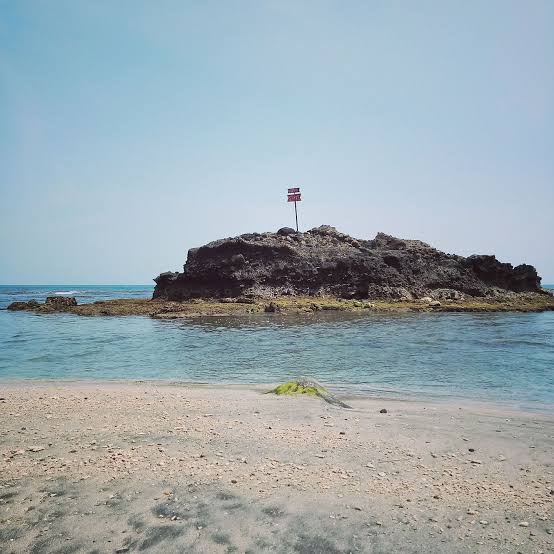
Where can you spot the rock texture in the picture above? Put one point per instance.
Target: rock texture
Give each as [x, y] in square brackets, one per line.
[19, 306]
[52, 304]
[324, 261]
[61, 302]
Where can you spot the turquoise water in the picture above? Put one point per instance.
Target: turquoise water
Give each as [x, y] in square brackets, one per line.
[493, 357]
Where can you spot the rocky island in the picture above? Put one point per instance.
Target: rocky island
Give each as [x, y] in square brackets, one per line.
[324, 269]
[326, 262]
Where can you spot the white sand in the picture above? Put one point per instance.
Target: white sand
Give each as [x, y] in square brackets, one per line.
[128, 467]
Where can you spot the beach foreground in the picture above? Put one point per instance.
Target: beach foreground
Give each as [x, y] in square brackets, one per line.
[126, 467]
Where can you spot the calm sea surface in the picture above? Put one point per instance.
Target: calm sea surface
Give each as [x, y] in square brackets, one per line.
[498, 357]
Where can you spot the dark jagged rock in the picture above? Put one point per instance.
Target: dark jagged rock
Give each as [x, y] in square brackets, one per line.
[324, 261]
[518, 279]
[286, 231]
[52, 304]
[60, 302]
[20, 306]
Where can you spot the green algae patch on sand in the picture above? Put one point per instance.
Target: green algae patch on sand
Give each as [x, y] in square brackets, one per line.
[307, 388]
[296, 387]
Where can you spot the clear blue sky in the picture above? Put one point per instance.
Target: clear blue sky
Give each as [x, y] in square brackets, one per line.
[131, 131]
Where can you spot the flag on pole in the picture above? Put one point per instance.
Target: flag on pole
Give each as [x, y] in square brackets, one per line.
[293, 195]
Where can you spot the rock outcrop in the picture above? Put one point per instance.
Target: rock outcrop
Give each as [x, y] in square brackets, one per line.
[326, 262]
[20, 306]
[52, 304]
[61, 302]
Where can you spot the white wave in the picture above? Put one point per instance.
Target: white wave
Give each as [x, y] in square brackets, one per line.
[65, 292]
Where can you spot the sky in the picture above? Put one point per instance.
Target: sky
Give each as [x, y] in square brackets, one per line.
[132, 131]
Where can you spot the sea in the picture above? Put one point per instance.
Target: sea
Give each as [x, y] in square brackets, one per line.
[505, 358]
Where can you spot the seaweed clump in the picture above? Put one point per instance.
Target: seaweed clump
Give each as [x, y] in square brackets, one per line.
[296, 387]
[310, 388]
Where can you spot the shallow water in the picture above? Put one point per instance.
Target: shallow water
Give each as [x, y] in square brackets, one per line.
[494, 357]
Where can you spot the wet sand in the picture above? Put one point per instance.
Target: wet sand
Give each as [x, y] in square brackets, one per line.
[130, 467]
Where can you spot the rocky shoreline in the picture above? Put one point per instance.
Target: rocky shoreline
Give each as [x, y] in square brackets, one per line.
[242, 306]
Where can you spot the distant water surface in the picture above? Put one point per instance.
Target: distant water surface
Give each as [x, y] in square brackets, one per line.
[492, 357]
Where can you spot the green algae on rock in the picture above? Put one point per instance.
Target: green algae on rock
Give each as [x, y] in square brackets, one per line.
[287, 305]
[295, 387]
[310, 388]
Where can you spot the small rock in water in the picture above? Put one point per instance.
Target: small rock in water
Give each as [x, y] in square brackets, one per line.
[36, 448]
[383, 411]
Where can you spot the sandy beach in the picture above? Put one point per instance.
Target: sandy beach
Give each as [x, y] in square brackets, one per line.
[128, 467]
